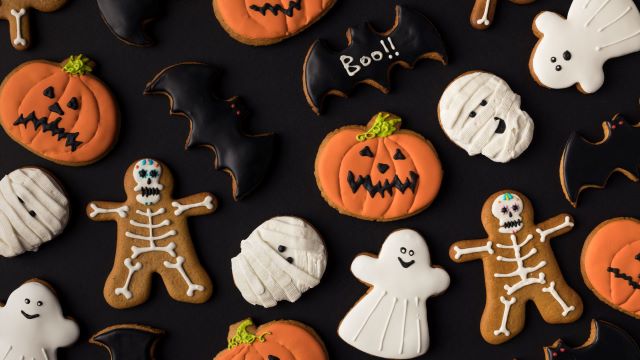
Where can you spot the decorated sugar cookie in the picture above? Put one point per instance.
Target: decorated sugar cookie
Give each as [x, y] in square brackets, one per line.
[128, 341]
[573, 51]
[281, 259]
[266, 22]
[379, 171]
[480, 113]
[276, 340]
[16, 12]
[59, 111]
[32, 325]
[483, 11]
[519, 266]
[390, 320]
[153, 237]
[127, 20]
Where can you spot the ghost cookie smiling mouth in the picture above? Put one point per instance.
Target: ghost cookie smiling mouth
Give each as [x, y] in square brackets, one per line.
[406, 264]
[29, 316]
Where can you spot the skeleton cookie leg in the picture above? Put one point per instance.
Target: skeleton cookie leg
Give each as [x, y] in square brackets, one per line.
[124, 290]
[561, 303]
[186, 270]
[128, 284]
[482, 13]
[503, 317]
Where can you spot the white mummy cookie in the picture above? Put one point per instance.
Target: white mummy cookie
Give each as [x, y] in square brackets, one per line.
[480, 113]
[281, 259]
[573, 50]
[33, 210]
[32, 325]
[390, 321]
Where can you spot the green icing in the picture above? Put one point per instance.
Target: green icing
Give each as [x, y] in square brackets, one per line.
[242, 336]
[383, 126]
[78, 65]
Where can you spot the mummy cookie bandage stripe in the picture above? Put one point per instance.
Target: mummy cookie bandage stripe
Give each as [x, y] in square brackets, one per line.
[281, 259]
[33, 210]
[480, 113]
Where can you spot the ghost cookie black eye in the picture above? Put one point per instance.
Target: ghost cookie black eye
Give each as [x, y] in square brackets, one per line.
[366, 151]
[553, 59]
[411, 253]
[27, 301]
[566, 55]
[39, 303]
[403, 250]
[558, 67]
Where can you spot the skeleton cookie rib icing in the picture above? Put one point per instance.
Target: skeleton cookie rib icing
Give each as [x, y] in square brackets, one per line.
[153, 237]
[572, 51]
[483, 11]
[519, 266]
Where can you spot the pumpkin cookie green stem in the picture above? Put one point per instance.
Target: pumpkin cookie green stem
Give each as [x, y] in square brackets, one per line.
[242, 336]
[78, 65]
[383, 126]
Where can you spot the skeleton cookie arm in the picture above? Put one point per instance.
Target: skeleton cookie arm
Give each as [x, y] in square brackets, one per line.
[555, 226]
[195, 205]
[107, 211]
[467, 250]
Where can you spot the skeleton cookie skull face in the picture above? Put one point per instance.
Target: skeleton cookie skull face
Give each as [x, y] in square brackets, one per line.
[146, 174]
[507, 208]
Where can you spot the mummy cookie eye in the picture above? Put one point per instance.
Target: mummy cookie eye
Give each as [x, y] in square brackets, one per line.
[39, 303]
[566, 55]
[366, 151]
[472, 114]
[290, 260]
[411, 252]
[483, 103]
[403, 250]
[553, 59]
[27, 301]
[21, 201]
[398, 155]
[282, 248]
[558, 67]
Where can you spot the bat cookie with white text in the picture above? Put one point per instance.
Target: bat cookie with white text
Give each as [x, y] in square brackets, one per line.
[483, 11]
[128, 341]
[16, 12]
[216, 124]
[32, 324]
[369, 57]
[519, 266]
[153, 237]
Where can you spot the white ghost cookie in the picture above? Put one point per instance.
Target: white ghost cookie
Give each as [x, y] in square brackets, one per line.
[480, 113]
[281, 259]
[33, 210]
[573, 50]
[32, 325]
[390, 321]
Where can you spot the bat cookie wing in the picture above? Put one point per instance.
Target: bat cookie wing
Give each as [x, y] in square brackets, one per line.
[128, 341]
[127, 19]
[216, 123]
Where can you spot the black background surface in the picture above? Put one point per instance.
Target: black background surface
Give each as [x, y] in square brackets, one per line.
[269, 79]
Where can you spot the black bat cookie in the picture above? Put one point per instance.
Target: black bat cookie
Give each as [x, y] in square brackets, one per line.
[606, 341]
[369, 57]
[127, 19]
[128, 341]
[588, 165]
[216, 123]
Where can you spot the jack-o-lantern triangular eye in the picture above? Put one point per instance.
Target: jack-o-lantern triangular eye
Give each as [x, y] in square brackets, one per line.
[48, 92]
[638, 257]
[73, 104]
[366, 151]
[398, 155]
[273, 357]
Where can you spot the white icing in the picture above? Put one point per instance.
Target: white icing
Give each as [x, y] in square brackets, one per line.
[473, 250]
[146, 174]
[33, 210]
[19, 40]
[353, 66]
[480, 113]
[390, 321]
[521, 271]
[551, 289]
[593, 32]
[179, 265]
[37, 338]
[261, 271]
[507, 208]
[95, 210]
[485, 19]
[124, 290]
[180, 208]
[505, 316]
[544, 233]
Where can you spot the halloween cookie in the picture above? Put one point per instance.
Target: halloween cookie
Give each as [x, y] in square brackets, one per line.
[606, 341]
[585, 164]
[483, 11]
[276, 340]
[519, 266]
[281, 259]
[153, 237]
[127, 19]
[378, 172]
[610, 264]
[369, 57]
[480, 113]
[216, 123]
[266, 22]
[32, 325]
[128, 341]
[59, 111]
[572, 51]
[16, 12]
[390, 320]
[33, 210]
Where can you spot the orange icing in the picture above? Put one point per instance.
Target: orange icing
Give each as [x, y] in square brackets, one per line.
[96, 119]
[614, 243]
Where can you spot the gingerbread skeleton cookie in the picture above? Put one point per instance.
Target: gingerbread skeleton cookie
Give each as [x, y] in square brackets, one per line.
[153, 237]
[573, 51]
[483, 11]
[16, 12]
[519, 266]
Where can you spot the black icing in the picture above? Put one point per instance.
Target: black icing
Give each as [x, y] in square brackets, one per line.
[275, 9]
[406, 264]
[366, 151]
[73, 104]
[622, 275]
[127, 342]
[272, 357]
[383, 168]
[501, 125]
[380, 188]
[607, 341]
[127, 19]
[56, 109]
[48, 92]
[29, 316]
[566, 55]
[589, 164]
[398, 155]
[290, 260]
[282, 248]
[61, 133]
[414, 37]
[216, 123]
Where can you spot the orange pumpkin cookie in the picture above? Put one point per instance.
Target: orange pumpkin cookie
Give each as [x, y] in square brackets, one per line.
[610, 264]
[276, 340]
[266, 22]
[59, 111]
[378, 172]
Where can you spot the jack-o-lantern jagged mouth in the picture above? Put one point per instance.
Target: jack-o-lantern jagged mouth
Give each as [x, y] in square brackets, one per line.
[274, 9]
[53, 127]
[365, 181]
[622, 275]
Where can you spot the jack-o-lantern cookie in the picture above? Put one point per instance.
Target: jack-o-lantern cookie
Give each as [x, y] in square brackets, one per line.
[275, 340]
[610, 264]
[378, 172]
[59, 111]
[266, 22]
[16, 12]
